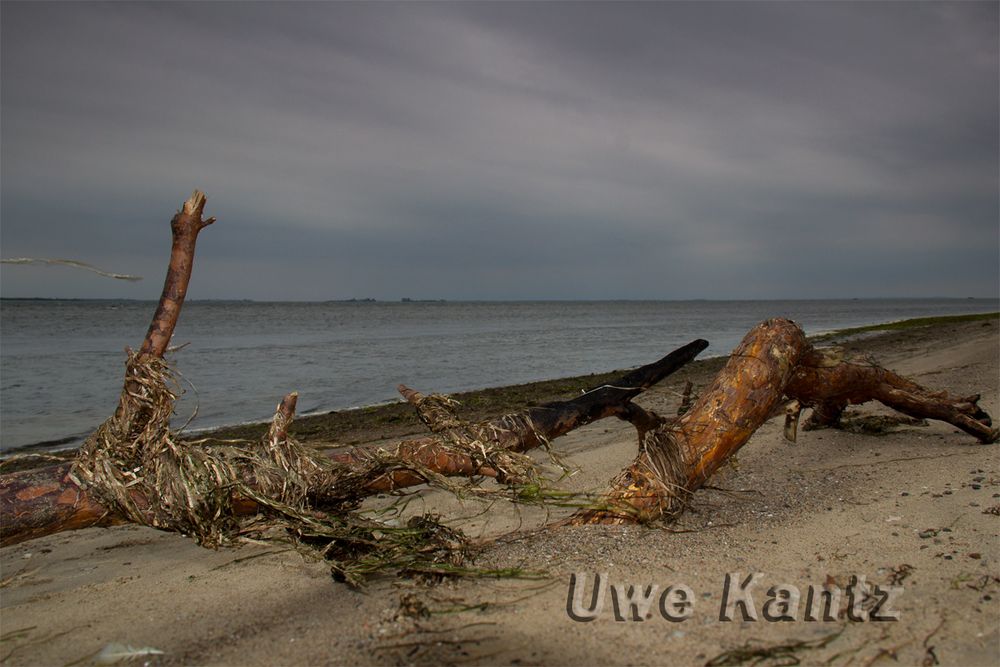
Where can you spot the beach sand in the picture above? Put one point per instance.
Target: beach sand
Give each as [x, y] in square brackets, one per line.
[917, 508]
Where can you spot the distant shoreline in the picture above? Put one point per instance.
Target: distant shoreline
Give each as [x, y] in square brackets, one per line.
[407, 300]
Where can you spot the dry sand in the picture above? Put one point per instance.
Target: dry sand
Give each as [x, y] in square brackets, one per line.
[918, 507]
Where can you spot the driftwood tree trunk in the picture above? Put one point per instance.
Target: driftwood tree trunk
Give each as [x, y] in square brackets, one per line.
[39, 502]
[676, 458]
[829, 383]
[773, 365]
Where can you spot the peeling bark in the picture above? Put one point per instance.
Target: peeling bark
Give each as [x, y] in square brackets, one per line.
[34, 503]
[773, 364]
[675, 459]
[824, 380]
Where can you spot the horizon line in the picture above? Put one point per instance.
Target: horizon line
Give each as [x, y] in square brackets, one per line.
[408, 300]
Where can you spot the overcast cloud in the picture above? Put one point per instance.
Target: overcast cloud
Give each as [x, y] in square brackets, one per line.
[466, 151]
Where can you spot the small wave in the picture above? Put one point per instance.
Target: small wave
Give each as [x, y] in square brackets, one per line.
[67, 442]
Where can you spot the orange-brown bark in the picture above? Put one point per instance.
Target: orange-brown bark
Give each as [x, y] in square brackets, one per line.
[830, 383]
[42, 515]
[676, 458]
[184, 227]
[33, 502]
[773, 364]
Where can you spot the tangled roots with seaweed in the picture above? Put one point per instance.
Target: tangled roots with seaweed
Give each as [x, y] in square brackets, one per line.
[138, 467]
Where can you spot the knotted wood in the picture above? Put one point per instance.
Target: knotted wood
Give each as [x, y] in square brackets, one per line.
[676, 458]
[773, 364]
[829, 383]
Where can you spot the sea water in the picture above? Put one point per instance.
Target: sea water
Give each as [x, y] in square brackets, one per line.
[61, 362]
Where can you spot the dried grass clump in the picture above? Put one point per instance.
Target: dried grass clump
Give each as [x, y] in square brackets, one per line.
[489, 443]
[668, 473]
[135, 464]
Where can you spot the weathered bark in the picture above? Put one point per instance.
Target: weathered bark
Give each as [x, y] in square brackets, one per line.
[532, 428]
[676, 458]
[184, 227]
[46, 500]
[824, 380]
[552, 420]
[34, 503]
[612, 400]
[773, 364]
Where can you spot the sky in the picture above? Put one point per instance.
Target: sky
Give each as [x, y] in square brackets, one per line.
[669, 150]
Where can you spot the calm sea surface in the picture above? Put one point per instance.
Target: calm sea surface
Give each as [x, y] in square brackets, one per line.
[61, 362]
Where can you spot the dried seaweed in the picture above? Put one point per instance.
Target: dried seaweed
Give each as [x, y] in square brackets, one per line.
[877, 424]
[137, 465]
[781, 654]
[486, 443]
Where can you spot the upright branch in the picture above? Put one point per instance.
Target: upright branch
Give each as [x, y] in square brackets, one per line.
[137, 440]
[38, 502]
[184, 226]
